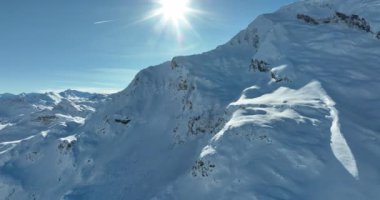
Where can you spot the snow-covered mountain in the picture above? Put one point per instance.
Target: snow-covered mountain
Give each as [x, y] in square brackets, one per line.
[288, 109]
[25, 116]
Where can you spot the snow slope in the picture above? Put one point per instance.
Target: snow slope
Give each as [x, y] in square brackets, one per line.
[25, 116]
[288, 109]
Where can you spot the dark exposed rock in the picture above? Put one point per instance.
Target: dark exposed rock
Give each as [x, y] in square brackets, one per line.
[354, 21]
[260, 65]
[203, 125]
[307, 19]
[202, 168]
[278, 79]
[123, 121]
[360, 23]
[351, 20]
[46, 119]
[192, 125]
[378, 35]
[326, 21]
[341, 16]
[174, 64]
[65, 146]
[183, 85]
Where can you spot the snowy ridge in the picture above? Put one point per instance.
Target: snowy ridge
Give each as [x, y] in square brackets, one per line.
[287, 109]
[24, 116]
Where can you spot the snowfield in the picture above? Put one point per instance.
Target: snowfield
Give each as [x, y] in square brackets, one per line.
[29, 115]
[287, 109]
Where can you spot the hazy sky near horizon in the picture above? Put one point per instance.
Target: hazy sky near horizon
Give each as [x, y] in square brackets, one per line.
[98, 46]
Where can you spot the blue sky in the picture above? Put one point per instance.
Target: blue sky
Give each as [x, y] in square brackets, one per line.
[98, 45]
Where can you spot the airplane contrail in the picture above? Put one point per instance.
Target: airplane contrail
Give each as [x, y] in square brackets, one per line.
[103, 22]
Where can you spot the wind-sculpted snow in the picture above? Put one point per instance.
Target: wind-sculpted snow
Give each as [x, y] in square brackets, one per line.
[278, 106]
[287, 109]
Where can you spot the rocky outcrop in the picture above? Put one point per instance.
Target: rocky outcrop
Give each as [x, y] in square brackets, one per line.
[352, 20]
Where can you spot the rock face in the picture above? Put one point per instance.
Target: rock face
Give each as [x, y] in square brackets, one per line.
[285, 110]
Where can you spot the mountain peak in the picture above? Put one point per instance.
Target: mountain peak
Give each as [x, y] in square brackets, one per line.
[287, 109]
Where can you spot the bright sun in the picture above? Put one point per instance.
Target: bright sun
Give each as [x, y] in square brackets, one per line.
[174, 12]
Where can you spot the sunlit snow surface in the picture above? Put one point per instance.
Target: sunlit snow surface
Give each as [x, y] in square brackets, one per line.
[283, 104]
[3, 126]
[212, 126]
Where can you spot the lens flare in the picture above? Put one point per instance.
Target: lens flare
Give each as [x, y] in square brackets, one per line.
[173, 14]
[174, 10]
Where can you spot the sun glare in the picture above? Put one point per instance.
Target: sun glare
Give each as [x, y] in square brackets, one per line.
[174, 10]
[174, 13]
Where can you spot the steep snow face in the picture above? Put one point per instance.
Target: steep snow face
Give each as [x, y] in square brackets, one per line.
[288, 109]
[281, 145]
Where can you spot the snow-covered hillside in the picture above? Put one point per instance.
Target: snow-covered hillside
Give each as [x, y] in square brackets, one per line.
[288, 109]
[25, 116]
